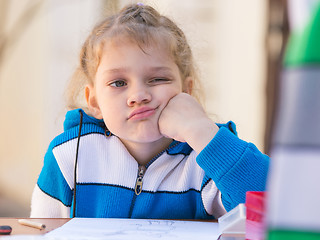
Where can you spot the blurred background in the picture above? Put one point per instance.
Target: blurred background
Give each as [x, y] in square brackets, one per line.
[237, 44]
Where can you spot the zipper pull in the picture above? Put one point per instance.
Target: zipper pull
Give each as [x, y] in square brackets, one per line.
[141, 172]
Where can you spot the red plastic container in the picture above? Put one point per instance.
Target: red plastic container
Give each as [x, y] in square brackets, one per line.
[255, 214]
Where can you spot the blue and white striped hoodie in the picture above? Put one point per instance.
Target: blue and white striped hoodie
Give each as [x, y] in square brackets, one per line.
[178, 183]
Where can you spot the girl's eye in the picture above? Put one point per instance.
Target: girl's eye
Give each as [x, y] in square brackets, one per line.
[159, 80]
[118, 83]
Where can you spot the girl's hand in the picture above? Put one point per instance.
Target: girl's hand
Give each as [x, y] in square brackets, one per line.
[184, 120]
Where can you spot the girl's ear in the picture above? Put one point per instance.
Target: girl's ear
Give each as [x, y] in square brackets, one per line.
[92, 102]
[188, 85]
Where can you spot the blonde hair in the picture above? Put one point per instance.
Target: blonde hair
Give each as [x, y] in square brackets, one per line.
[139, 23]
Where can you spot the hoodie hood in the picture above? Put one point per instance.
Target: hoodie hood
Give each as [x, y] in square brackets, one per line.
[73, 119]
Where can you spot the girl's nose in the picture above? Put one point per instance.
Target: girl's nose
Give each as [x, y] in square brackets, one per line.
[138, 96]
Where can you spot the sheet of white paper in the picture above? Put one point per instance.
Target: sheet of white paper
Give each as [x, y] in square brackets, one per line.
[134, 229]
[127, 229]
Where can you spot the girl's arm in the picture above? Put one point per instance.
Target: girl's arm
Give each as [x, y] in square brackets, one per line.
[51, 196]
[234, 165]
[44, 206]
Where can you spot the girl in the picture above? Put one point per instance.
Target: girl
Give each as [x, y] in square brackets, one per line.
[143, 147]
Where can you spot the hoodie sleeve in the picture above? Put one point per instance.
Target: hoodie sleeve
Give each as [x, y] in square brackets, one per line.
[52, 196]
[234, 165]
[53, 193]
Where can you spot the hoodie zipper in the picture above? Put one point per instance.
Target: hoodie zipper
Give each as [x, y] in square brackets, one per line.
[141, 171]
[139, 181]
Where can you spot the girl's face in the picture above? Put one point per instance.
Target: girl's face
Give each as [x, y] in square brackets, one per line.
[132, 87]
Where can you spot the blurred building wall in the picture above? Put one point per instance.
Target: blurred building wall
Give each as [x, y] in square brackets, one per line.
[43, 39]
[21, 98]
[228, 41]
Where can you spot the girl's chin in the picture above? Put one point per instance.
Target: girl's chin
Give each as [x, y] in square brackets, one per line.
[147, 138]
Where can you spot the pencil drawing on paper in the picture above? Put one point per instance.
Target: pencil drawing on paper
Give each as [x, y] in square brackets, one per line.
[149, 228]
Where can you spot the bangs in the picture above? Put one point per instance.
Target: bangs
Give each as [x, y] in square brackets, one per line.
[142, 35]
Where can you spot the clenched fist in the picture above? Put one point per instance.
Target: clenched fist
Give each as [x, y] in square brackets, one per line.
[184, 120]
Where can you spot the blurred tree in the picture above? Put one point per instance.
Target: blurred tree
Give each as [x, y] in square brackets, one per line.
[276, 39]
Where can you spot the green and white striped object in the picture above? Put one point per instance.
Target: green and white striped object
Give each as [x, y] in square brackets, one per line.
[293, 202]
